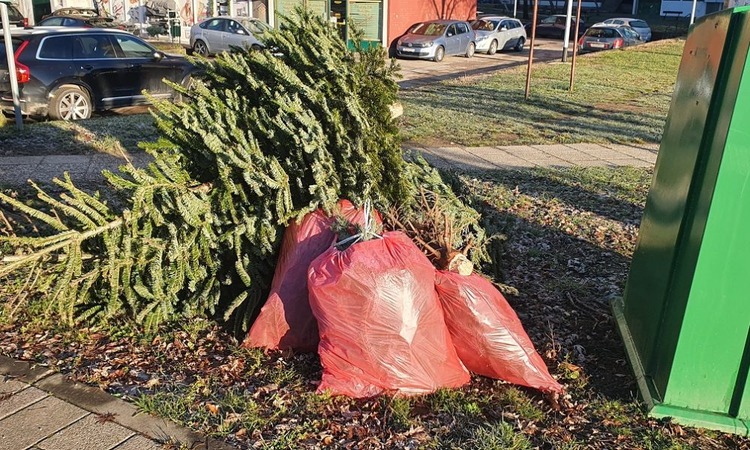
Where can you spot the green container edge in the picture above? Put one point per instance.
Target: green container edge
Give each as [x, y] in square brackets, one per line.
[651, 399]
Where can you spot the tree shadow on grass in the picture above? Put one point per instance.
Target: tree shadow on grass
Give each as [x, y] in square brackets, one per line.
[564, 278]
[547, 115]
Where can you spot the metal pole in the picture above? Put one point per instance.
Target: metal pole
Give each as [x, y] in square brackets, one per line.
[566, 37]
[515, 7]
[635, 7]
[11, 57]
[692, 13]
[531, 51]
[575, 48]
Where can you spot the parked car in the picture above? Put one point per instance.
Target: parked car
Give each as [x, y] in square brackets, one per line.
[640, 26]
[83, 12]
[68, 73]
[80, 21]
[218, 34]
[554, 27]
[15, 18]
[605, 37]
[436, 38]
[498, 32]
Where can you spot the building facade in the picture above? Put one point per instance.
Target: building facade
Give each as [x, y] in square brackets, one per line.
[381, 21]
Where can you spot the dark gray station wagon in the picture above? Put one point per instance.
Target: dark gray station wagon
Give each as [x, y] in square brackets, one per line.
[68, 73]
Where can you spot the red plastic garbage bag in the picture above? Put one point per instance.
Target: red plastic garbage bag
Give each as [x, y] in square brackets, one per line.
[488, 336]
[381, 325]
[286, 321]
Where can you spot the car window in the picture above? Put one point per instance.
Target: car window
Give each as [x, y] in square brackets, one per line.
[68, 22]
[484, 25]
[14, 15]
[429, 29]
[132, 47]
[638, 24]
[601, 33]
[95, 46]
[14, 42]
[560, 21]
[51, 22]
[57, 47]
[214, 24]
[549, 20]
[255, 26]
[462, 28]
[452, 30]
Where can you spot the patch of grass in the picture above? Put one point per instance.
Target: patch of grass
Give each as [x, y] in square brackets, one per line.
[619, 97]
[498, 436]
[111, 134]
[517, 401]
[398, 411]
[454, 401]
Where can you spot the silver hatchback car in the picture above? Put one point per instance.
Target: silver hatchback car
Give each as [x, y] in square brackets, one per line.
[499, 33]
[217, 34]
[437, 38]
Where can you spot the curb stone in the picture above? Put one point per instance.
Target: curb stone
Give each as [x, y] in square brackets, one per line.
[96, 401]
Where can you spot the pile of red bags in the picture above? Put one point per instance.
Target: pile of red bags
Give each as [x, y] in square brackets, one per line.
[384, 320]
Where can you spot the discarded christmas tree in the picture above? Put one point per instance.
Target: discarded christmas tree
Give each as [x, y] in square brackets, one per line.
[261, 138]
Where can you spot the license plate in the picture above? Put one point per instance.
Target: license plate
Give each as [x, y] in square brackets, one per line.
[596, 45]
[408, 50]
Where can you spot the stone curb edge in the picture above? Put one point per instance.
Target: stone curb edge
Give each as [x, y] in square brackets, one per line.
[99, 402]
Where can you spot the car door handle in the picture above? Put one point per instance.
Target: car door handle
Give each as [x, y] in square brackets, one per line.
[87, 67]
[135, 66]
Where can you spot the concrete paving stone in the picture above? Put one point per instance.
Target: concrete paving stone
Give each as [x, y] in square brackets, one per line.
[89, 433]
[99, 402]
[20, 160]
[23, 371]
[563, 152]
[634, 152]
[36, 422]
[16, 175]
[19, 400]
[10, 386]
[593, 163]
[138, 443]
[467, 161]
[67, 160]
[623, 162]
[595, 150]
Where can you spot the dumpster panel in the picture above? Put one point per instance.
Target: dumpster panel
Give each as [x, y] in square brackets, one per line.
[648, 285]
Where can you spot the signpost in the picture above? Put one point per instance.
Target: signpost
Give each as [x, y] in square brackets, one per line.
[531, 50]
[11, 57]
[566, 37]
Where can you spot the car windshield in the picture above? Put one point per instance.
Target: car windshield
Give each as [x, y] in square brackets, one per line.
[13, 14]
[550, 19]
[601, 32]
[485, 25]
[429, 29]
[638, 24]
[255, 26]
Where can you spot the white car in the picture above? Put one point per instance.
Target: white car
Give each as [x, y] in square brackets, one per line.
[640, 26]
[218, 34]
[499, 33]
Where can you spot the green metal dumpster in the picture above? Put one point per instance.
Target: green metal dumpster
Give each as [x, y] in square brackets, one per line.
[685, 313]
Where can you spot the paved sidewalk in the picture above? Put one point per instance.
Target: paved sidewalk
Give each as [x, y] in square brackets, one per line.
[16, 170]
[40, 410]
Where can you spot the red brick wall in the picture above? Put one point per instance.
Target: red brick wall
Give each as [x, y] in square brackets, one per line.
[404, 13]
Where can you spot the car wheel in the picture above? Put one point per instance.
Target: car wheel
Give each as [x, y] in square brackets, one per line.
[493, 48]
[200, 48]
[470, 50]
[256, 47]
[439, 54]
[70, 103]
[520, 44]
